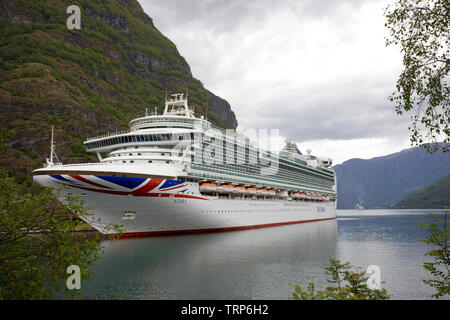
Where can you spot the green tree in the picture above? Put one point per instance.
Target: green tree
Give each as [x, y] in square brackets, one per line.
[421, 29]
[345, 282]
[5, 136]
[33, 265]
[439, 267]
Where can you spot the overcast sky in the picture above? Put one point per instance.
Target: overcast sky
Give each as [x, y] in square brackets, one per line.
[318, 71]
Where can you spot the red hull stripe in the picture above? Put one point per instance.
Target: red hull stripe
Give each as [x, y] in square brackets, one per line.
[152, 184]
[189, 197]
[169, 232]
[78, 177]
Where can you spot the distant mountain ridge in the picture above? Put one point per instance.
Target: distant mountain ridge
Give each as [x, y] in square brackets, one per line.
[85, 82]
[382, 182]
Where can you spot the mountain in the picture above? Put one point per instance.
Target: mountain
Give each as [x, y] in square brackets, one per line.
[85, 82]
[435, 196]
[381, 182]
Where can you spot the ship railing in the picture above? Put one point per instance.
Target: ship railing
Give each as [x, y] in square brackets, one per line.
[106, 135]
[84, 164]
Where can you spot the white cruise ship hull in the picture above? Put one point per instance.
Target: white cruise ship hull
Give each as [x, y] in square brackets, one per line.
[146, 205]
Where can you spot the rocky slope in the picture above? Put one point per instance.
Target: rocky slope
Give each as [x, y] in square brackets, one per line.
[85, 82]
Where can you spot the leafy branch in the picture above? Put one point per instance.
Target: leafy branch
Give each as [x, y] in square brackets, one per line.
[345, 282]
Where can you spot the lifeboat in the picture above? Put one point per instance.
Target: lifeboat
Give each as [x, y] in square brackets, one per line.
[297, 195]
[271, 192]
[250, 190]
[261, 192]
[240, 189]
[208, 187]
[226, 188]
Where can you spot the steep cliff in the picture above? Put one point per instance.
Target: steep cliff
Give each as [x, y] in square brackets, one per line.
[87, 81]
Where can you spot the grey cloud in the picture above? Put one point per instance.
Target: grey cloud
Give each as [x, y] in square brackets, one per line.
[343, 111]
[226, 15]
[347, 109]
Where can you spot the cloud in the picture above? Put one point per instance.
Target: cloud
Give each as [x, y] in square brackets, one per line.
[316, 70]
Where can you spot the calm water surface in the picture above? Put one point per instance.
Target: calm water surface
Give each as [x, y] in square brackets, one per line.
[260, 263]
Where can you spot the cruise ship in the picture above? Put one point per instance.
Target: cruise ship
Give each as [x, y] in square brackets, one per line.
[176, 173]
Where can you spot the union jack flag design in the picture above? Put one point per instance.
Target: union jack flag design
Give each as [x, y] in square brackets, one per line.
[129, 186]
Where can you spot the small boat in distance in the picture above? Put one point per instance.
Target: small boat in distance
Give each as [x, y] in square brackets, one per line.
[359, 206]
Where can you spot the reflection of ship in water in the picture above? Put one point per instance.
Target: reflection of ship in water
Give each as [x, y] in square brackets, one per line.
[359, 206]
[250, 264]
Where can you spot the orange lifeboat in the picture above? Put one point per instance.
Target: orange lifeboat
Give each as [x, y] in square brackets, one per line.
[261, 191]
[226, 188]
[207, 187]
[250, 190]
[297, 195]
[240, 189]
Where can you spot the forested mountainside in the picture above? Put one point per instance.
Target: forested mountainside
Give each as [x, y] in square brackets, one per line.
[434, 196]
[85, 82]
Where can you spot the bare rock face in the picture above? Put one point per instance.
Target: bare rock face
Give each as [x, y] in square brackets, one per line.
[223, 108]
[118, 22]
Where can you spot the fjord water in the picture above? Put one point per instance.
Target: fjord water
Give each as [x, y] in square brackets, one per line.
[260, 263]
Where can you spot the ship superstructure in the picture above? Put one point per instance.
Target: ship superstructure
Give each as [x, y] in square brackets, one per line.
[175, 172]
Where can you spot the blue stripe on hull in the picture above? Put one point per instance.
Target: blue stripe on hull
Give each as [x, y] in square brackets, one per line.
[127, 182]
